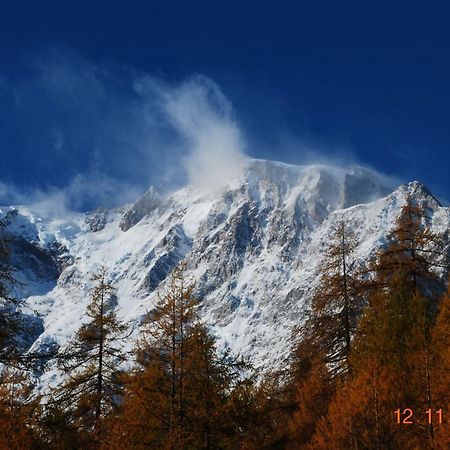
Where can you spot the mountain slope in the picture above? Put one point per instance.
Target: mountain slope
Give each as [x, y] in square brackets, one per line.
[254, 249]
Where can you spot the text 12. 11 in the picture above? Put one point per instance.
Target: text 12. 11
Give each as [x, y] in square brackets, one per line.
[405, 417]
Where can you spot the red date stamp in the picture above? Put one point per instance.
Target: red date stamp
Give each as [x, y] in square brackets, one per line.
[406, 416]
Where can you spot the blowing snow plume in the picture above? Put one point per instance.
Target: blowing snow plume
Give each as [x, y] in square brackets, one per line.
[120, 129]
[202, 115]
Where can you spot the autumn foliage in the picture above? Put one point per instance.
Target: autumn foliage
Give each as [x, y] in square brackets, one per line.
[369, 368]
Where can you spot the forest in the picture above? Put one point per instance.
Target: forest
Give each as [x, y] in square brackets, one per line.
[368, 369]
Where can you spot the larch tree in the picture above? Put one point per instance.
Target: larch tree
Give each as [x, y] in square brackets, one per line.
[155, 402]
[407, 288]
[360, 413]
[406, 271]
[183, 394]
[17, 408]
[321, 355]
[403, 291]
[394, 334]
[165, 339]
[215, 386]
[10, 316]
[90, 363]
[207, 378]
[396, 367]
[440, 371]
[390, 350]
[337, 304]
[18, 411]
[412, 254]
[269, 408]
[312, 392]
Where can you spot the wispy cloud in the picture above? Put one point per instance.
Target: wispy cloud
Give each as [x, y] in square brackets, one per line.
[90, 134]
[82, 189]
[104, 133]
[203, 117]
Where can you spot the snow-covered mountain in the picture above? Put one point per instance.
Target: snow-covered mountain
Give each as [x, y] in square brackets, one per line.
[255, 250]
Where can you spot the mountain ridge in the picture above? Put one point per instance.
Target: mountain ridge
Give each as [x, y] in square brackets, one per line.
[255, 250]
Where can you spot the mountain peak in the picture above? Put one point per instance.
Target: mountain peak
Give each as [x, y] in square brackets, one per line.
[143, 206]
[255, 250]
[333, 186]
[418, 189]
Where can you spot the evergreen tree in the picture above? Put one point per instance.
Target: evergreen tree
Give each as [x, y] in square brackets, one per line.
[90, 362]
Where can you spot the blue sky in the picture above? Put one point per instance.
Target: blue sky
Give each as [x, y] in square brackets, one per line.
[93, 97]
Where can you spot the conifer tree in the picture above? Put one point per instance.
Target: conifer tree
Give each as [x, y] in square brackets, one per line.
[322, 353]
[312, 388]
[393, 338]
[207, 377]
[18, 408]
[403, 304]
[10, 317]
[217, 394]
[181, 394]
[155, 404]
[360, 413]
[387, 371]
[412, 253]
[165, 339]
[270, 407]
[337, 303]
[409, 285]
[143, 418]
[440, 371]
[90, 362]
[419, 361]
[18, 411]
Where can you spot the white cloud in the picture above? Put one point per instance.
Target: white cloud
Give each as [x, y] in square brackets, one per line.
[111, 133]
[132, 129]
[92, 188]
[201, 114]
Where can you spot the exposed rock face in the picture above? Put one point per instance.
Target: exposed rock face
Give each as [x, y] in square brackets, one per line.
[255, 250]
[165, 257]
[145, 205]
[96, 220]
[361, 186]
